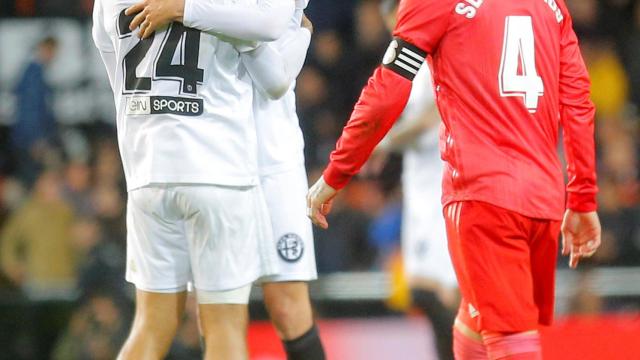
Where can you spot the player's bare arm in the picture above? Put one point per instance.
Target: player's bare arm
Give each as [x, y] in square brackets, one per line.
[265, 20]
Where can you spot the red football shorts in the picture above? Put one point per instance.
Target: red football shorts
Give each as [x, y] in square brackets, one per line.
[505, 264]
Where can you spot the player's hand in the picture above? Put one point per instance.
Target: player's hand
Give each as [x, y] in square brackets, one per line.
[319, 201]
[580, 235]
[154, 14]
[306, 23]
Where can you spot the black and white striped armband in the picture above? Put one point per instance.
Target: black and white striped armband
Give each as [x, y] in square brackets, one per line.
[403, 58]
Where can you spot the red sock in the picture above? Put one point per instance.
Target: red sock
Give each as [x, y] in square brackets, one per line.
[466, 348]
[517, 346]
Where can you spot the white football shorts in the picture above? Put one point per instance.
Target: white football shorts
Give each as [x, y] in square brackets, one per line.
[424, 239]
[292, 240]
[212, 236]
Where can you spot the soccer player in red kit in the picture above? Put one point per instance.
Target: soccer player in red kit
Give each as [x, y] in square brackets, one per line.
[507, 74]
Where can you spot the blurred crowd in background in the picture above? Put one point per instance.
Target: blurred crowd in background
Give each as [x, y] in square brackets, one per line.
[63, 200]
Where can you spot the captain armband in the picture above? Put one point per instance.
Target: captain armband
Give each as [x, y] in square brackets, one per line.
[403, 58]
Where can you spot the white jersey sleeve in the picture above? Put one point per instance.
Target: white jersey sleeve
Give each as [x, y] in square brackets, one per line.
[424, 241]
[422, 170]
[261, 20]
[98, 31]
[103, 42]
[183, 101]
[274, 66]
[280, 140]
[422, 96]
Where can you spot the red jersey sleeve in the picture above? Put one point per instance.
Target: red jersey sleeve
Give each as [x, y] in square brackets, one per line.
[577, 114]
[421, 25]
[423, 22]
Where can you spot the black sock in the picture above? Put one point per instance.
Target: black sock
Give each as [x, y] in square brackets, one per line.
[306, 347]
[441, 317]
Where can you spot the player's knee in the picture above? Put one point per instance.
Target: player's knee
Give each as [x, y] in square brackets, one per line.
[155, 328]
[289, 312]
[224, 331]
[284, 312]
[283, 299]
[170, 323]
[149, 338]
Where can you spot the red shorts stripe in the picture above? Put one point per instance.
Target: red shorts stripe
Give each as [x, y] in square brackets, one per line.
[505, 264]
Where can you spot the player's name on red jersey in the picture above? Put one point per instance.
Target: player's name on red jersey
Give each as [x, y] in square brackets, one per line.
[469, 8]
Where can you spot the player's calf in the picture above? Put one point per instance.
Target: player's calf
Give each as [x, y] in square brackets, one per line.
[305, 347]
[289, 308]
[290, 311]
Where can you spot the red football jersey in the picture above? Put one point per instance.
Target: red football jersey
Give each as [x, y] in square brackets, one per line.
[507, 74]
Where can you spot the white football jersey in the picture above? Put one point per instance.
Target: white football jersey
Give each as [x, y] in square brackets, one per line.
[183, 101]
[424, 235]
[280, 141]
[422, 165]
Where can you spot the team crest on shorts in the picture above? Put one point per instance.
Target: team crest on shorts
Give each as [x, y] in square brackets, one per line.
[290, 247]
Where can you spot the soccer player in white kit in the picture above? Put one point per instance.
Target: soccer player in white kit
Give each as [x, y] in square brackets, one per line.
[284, 182]
[426, 258]
[274, 67]
[195, 213]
